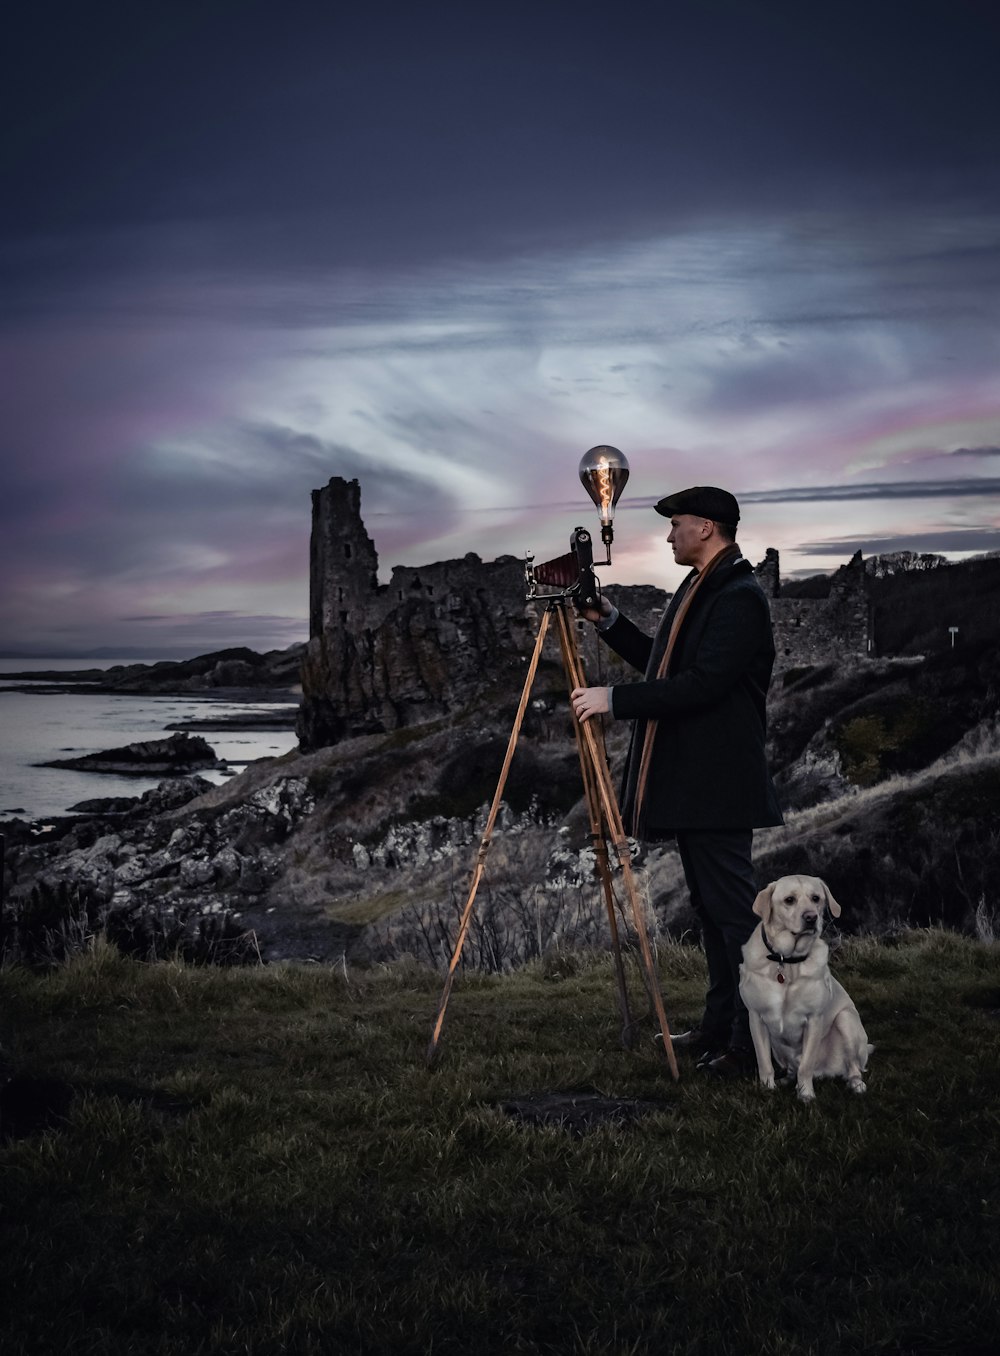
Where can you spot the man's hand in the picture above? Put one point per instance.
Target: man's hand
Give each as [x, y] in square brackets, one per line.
[589, 701]
[595, 614]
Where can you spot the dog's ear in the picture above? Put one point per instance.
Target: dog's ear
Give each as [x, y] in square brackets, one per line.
[762, 904]
[831, 903]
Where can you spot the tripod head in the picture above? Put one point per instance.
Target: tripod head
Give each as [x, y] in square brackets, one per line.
[571, 576]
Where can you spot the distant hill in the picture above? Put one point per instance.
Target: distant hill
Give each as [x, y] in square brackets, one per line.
[234, 668]
[912, 613]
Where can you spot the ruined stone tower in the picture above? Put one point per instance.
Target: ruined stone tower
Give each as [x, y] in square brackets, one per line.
[343, 562]
[768, 573]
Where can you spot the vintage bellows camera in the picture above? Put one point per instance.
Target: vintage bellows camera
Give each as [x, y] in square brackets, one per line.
[603, 471]
[571, 575]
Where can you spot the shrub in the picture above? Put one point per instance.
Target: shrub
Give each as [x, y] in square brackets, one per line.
[62, 919]
[890, 737]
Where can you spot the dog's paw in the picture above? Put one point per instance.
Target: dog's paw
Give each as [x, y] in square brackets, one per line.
[804, 1093]
[767, 1082]
[857, 1085]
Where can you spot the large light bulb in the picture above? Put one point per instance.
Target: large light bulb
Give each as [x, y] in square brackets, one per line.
[604, 471]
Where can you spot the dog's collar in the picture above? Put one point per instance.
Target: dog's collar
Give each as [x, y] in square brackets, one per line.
[776, 955]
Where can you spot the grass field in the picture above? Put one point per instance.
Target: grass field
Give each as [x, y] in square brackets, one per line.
[258, 1161]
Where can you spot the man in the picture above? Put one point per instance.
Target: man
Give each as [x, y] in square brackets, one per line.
[696, 767]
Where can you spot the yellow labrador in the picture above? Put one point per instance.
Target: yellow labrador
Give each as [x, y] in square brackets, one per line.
[799, 1013]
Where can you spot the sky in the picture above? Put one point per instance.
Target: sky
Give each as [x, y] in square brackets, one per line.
[445, 249]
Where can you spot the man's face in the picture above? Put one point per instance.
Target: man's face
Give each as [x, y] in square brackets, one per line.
[687, 537]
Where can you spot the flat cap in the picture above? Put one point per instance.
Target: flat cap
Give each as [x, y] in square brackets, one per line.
[703, 501]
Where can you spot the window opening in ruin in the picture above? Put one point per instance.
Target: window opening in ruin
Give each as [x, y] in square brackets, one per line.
[347, 550]
[343, 618]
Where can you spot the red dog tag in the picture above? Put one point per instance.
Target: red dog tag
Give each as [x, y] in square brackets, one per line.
[781, 979]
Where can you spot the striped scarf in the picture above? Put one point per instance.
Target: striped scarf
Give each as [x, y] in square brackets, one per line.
[663, 668]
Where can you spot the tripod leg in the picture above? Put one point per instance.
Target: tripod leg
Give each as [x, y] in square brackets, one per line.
[575, 678]
[613, 819]
[484, 844]
[603, 868]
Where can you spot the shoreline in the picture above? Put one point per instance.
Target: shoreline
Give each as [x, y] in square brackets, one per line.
[283, 720]
[243, 725]
[46, 686]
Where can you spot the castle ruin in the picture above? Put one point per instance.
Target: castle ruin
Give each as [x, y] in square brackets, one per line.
[384, 656]
[818, 630]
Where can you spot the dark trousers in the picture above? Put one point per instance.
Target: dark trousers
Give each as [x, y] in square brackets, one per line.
[719, 875]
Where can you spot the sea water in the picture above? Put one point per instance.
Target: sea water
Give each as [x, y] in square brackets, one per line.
[38, 726]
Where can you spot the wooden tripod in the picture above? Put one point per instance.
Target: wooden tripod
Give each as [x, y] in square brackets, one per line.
[605, 823]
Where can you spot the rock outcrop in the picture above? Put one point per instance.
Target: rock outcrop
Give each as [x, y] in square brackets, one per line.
[902, 562]
[177, 756]
[167, 795]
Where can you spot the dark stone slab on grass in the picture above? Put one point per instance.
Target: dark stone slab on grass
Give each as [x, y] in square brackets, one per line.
[579, 1110]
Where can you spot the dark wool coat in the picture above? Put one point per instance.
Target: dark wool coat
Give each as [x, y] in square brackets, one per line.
[708, 768]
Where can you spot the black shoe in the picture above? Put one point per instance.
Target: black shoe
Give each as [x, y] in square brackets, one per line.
[712, 1053]
[696, 1042]
[730, 1064]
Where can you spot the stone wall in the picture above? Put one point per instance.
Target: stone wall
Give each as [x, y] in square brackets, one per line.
[823, 630]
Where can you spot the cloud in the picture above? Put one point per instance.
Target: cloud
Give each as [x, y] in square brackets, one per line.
[329, 142]
[986, 486]
[164, 453]
[223, 628]
[946, 540]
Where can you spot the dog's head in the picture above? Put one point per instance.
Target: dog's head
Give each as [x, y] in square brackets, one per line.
[795, 904]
